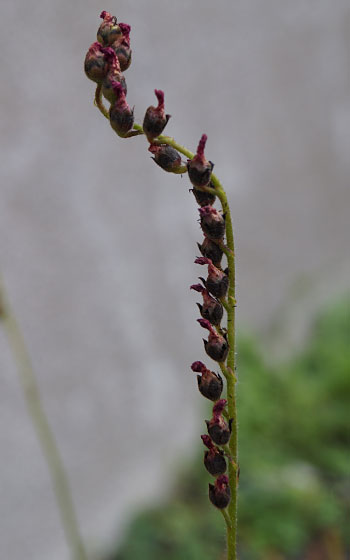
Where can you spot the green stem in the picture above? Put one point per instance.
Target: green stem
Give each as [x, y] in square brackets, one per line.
[47, 440]
[227, 518]
[229, 369]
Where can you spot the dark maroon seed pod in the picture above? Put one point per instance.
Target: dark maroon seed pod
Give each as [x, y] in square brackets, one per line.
[95, 65]
[211, 308]
[218, 429]
[220, 494]
[203, 198]
[217, 287]
[109, 31]
[221, 435]
[212, 222]
[215, 463]
[216, 346]
[214, 460]
[199, 168]
[120, 114]
[217, 280]
[155, 118]
[211, 250]
[210, 384]
[167, 158]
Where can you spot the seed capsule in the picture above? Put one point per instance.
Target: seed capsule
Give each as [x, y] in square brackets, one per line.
[114, 75]
[211, 250]
[218, 429]
[122, 48]
[167, 158]
[210, 384]
[204, 198]
[109, 31]
[95, 65]
[199, 168]
[220, 494]
[155, 118]
[120, 114]
[217, 280]
[214, 460]
[216, 346]
[212, 222]
[211, 308]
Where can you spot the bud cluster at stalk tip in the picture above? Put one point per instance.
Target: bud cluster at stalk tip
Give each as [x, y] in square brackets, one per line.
[105, 62]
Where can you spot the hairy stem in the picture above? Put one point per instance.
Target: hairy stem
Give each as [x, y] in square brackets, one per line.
[45, 435]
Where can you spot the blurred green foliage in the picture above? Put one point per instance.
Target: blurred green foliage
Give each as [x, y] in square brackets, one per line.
[294, 440]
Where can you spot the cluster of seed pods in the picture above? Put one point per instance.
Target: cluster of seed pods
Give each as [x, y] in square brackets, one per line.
[213, 289]
[105, 62]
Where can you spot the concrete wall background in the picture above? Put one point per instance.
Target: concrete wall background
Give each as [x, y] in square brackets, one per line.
[97, 244]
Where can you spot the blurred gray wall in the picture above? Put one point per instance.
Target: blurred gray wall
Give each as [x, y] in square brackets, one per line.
[97, 243]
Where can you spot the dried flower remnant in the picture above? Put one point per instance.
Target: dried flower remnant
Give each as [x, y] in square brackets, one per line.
[210, 384]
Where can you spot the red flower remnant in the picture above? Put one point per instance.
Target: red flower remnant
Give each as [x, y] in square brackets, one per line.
[207, 441]
[125, 29]
[106, 15]
[198, 367]
[111, 57]
[219, 407]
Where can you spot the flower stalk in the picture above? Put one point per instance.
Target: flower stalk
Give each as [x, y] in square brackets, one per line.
[218, 292]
